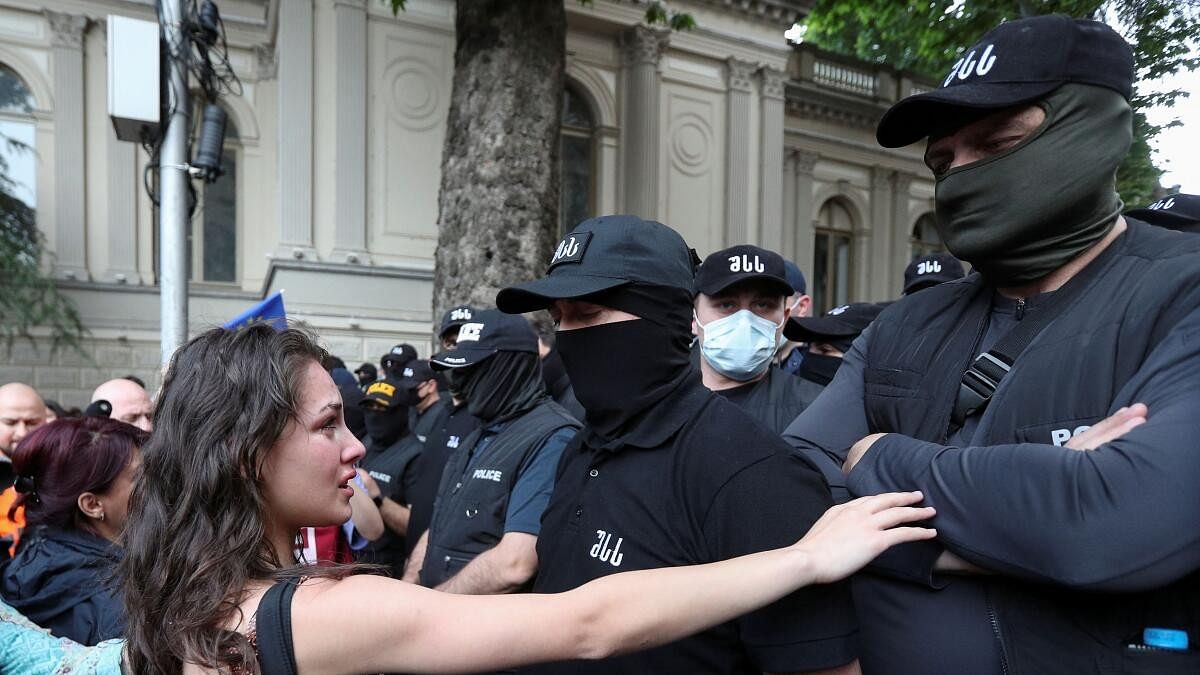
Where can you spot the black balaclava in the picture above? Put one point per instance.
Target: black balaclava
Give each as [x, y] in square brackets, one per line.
[552, 370]
[819, 368]
[385, 427]
[621, 370]
[1021, 214]
[501, 387]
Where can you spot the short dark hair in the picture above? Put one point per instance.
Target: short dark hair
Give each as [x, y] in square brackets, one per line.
[136, 380]
[331, 362]
[67, 458]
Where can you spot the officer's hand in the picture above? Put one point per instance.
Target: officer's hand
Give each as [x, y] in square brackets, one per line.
[1110, 428]
[372, 486]
[858, 450]
[850, 535]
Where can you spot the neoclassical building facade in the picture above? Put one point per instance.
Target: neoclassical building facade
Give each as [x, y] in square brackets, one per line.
[332, 157]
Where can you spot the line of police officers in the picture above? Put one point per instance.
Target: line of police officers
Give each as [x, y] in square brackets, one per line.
[1045, 404]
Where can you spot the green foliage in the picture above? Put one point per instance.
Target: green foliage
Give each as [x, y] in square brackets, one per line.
[29, 298]
[926, 37]
[657, 14]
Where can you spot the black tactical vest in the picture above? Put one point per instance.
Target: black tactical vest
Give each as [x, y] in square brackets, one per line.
[1069, 375]
[468, 516]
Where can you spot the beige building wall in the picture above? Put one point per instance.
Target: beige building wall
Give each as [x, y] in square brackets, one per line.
[726, 133]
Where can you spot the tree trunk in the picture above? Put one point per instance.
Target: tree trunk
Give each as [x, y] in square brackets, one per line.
[499, 198]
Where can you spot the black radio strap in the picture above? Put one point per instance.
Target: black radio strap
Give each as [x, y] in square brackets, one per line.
[982, 379]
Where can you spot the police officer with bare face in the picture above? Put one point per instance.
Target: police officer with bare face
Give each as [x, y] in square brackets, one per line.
[1046, 404]
[666, 472]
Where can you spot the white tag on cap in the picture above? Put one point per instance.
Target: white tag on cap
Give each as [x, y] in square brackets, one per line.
[571, 248]
[460, 314]
[470, 332]
[839, 310]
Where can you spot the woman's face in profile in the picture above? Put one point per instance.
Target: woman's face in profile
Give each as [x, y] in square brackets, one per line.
[308, 472]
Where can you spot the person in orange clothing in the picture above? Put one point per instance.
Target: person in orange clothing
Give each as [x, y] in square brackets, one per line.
[21, 411]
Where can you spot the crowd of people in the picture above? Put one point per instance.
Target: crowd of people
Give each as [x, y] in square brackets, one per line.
[645, 462]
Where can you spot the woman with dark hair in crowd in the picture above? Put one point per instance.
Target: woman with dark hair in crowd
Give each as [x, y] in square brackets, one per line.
[250, 444]
[73, 478]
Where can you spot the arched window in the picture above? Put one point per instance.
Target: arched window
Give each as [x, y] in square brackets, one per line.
[213, 255]
[18, 161]
[925, 238]
[834, 257]
[575, 155]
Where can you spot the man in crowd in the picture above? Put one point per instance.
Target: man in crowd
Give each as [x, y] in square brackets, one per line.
[21, 411]
[1047, 405]
[366, 374]
[431, 407]
[799, 303]
[352, 395]
[738, 318]
[396, 358]
[391, 448]
[1178, 211]
[666, 472]
[489, 505]
[128, 401]
[828, 338]
[930, 270]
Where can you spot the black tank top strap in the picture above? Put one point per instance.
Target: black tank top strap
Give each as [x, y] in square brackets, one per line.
[274, 630]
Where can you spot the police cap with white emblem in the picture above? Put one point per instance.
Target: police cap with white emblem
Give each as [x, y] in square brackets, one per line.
[1014, 63]
[455, 317]
[491, 331]
[1177, 212]
[740, 263]
[604, 253]
[930, 270]
[837, 325]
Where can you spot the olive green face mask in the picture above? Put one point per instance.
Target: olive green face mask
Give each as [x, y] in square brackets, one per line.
[1021, 214]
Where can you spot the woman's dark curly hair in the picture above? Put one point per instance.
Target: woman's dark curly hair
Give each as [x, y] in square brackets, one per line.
[196, 532]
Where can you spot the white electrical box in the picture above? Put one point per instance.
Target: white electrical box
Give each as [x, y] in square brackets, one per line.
[133, 78]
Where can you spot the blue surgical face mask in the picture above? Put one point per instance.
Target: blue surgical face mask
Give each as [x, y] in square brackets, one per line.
[739, 346]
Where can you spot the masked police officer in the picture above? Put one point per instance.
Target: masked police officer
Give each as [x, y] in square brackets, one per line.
[1046, 404]
[738, 319]
[665, 471]
[391, 448]
[488, 510]
[828, 338]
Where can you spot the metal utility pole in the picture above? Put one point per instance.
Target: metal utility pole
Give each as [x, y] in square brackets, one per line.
[173, 188]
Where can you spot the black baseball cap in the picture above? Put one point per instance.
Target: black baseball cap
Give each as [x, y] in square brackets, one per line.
[795, 277]
[414, 374]
[398, 356]
[387, 392]
[840, 324]
[367, 369]
[740, 263]
[455, 317]
[1178, 212]
[1016, 62]
[603, 253]
[492, 331]
[931, 270]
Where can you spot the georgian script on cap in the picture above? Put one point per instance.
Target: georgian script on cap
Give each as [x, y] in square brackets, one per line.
[1164, 204]
[381, 388]
[469, 333]
[398, 349]
[460, 314]
[839, 310]
[968, 66]
[570, 249]
[928, 267]
[408, 372]
[742, 263]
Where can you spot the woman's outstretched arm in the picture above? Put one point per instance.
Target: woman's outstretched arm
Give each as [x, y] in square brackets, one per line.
[371, 624]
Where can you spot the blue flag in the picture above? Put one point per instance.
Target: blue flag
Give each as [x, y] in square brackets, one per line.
[268, 311]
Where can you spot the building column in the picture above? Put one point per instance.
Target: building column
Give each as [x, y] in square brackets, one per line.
[881, 280]
[642, 49]
[350, 85]
[804, 232]
[295, 64]
[737, 168]
[608, 145]
[900, 226]
[122, 172]
[770, 174]
[70, 245]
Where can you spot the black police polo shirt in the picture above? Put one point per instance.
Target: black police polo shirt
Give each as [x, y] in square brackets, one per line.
[720, 487]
